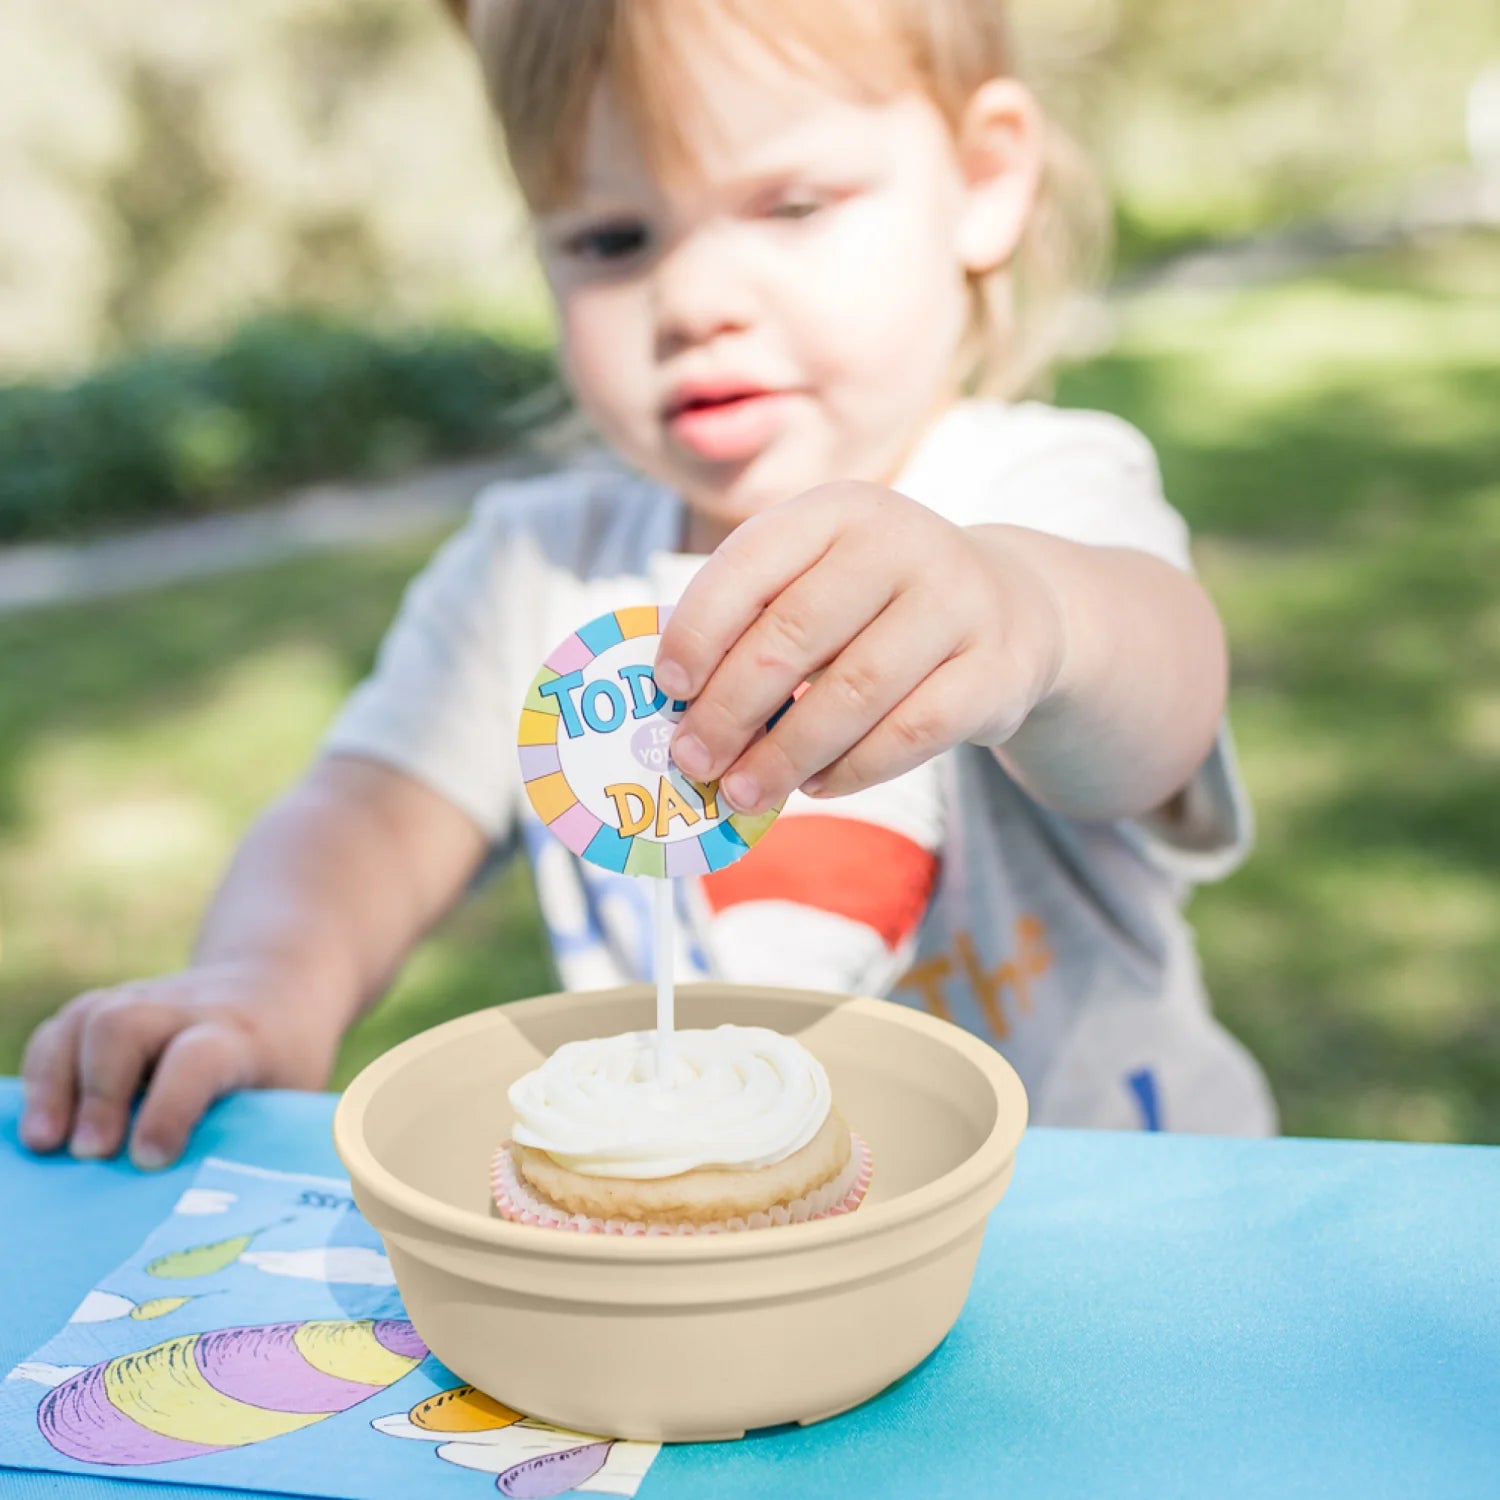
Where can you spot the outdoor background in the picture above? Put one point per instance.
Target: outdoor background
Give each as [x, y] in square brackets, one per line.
[245, 249]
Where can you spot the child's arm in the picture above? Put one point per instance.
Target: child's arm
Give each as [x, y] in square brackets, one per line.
[1098, 674]
[325, 896]
[1141, 688]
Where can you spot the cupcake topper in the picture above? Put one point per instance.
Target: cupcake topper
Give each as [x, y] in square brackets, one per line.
[594, 743]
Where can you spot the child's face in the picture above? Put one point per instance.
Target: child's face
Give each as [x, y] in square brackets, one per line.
[787, 312]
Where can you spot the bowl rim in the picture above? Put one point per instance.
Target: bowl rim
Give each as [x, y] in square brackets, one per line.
[989, 1160]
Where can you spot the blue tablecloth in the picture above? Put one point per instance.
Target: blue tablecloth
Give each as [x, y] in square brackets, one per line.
[1152, 1316]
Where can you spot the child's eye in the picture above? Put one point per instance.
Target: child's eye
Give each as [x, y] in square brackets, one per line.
[795, 206]
[609, 243]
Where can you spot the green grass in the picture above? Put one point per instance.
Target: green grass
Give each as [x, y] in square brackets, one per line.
[1333, 442]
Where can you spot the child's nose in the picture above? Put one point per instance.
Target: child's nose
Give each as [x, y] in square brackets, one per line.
[699, 293]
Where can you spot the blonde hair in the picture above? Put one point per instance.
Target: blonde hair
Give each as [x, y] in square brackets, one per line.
[542, 60]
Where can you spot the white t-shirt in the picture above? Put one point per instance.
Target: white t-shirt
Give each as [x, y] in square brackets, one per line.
[1061, 942]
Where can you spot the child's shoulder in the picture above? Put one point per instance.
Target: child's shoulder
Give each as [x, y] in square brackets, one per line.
[1011, 435]
[589, 514]
[1089, 476]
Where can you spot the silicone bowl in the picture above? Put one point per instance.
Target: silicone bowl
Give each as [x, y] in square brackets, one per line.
[688, 1338]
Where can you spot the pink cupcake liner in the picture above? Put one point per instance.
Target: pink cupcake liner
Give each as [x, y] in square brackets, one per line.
[519, 1203]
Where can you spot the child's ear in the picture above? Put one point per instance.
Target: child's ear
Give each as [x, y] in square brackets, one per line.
[1000, 149]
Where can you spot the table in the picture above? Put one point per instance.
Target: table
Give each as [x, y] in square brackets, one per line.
[1152, 1316]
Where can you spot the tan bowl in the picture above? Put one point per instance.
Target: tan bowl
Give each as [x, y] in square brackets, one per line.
[688, 1338]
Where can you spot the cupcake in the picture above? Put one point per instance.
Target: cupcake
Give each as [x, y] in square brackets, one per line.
[742, 1133]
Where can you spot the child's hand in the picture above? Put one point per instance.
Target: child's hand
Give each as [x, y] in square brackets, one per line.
[927, 635]
[189, 1037]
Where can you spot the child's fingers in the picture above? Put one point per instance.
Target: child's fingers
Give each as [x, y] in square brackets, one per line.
[200, 1064]
[871, 677]
[120, 1038]
[804, 628]
[939, 713]
[759, 560]
[49, 1071]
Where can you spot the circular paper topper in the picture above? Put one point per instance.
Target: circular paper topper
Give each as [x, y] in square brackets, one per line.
[594, 756]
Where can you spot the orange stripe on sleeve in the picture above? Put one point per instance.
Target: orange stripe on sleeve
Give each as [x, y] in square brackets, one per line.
[845, 866]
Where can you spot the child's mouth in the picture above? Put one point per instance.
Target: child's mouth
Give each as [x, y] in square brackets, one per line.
[727, 425]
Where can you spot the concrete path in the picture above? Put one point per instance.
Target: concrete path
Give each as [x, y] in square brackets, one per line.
[316, 518]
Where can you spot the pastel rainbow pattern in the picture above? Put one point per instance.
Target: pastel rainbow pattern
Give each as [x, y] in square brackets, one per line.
[558, 805]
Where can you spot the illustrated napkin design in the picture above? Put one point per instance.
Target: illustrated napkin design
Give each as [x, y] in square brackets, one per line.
[257, 1341]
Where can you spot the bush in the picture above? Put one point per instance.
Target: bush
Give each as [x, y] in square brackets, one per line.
[288, 399]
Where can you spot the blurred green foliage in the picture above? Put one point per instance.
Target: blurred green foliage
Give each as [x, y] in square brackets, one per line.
[170, 169]
[1217, 121]
[286, 400]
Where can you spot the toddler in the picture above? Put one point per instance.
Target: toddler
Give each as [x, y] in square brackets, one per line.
[806, 259]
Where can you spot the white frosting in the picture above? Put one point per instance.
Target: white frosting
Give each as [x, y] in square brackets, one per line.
[739, 1097]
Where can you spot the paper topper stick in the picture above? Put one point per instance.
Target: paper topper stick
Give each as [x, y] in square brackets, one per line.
[666, 1021]
[594, 744]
